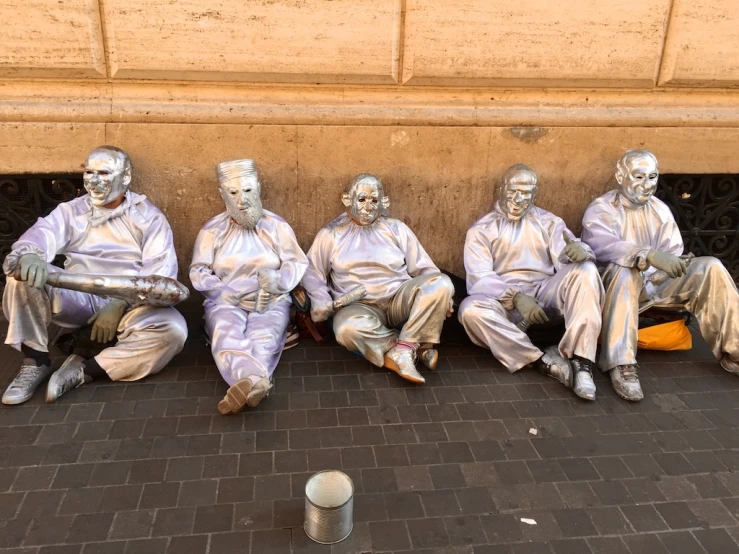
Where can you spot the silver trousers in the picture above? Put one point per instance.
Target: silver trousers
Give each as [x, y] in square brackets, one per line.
[420, 306]
[246, 343]
[148, 337]
[575, 293]
[706, 290]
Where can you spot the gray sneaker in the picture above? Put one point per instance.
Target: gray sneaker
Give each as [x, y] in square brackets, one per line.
[26, 382]
[626, 383]
[70, 376]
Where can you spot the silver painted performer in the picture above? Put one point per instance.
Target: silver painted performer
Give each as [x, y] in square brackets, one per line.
[522, 264]
[109, 231]
[246, 262]
[639, 248]
[408, 298]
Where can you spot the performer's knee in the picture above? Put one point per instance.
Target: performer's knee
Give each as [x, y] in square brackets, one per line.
[706, 264]
[620, 276]
[438, 286]
[474, 309]
[588, 272]
[15, 288]
[174, 328]
[346, 332]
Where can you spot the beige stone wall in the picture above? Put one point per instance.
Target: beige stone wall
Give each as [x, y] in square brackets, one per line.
[437, 98]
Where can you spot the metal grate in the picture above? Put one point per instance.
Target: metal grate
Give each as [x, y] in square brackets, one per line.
[25, 198]
[706, 208]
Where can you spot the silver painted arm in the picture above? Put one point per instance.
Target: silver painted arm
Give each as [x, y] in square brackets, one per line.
[478, 263]
[317, 274]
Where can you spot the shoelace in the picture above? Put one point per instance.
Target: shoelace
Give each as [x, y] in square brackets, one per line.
[26, 376]
[628, 373]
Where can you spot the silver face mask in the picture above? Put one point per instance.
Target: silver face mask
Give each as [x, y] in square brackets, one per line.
[364, 200]
[517, 193]
[242, 198]
[637, 174]
[106, 177]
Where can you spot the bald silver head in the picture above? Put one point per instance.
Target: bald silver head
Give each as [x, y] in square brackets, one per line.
[517, 191]
[365, 199]
[107, 176]
[241, 189]
[637, 173]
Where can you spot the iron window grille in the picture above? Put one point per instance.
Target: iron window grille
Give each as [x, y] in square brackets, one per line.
[25, 198]
[706, 208]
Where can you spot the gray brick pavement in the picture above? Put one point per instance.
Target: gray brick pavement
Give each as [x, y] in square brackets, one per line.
[449, 467]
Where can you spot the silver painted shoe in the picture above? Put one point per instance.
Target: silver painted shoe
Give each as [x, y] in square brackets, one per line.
[730, 365]
[402, 361]
[244, 393]
[26, 382]
[70, 376]
[625, 382]
[235, 398]
[583, 385]
[555, 366]
[429, 357]
[259, 391]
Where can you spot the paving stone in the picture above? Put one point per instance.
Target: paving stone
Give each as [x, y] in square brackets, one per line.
[40, 504]
[197, 543]
[404, 505]
[173, 521]
[150, 546]
[677, 515]
[681, 542]
[447, 476]
[87, 501]
[644, 518]
[645, 544]
[213, 519]
[48, 530]
[370, 507]
[253, 515]
[465, 530]
[609, 521]
[427, 533]
[575, 523]
[413, 478]
[389, 535]
[132, 524]
[34, 478]
[716, 541]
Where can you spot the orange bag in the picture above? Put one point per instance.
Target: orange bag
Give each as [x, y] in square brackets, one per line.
[673, 335]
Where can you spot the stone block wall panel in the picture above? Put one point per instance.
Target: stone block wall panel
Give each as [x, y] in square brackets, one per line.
[51, 39]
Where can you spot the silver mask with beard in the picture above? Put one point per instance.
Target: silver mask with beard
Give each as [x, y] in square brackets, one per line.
[517, 191]
[240, 189]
